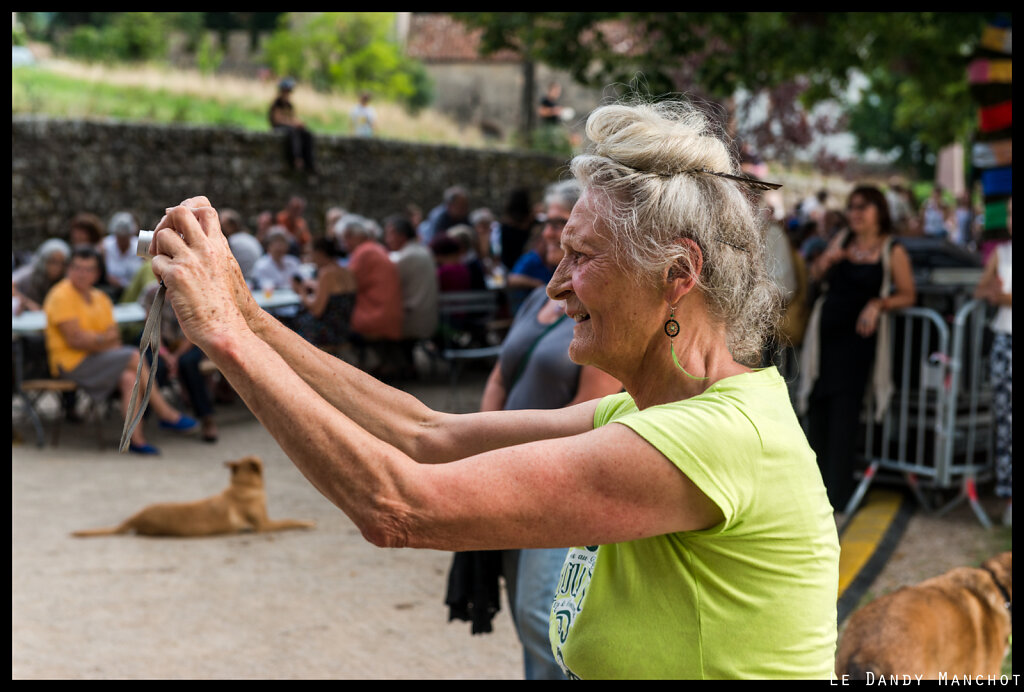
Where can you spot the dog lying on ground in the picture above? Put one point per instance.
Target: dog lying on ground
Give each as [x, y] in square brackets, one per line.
[958, 623]
[241, 506]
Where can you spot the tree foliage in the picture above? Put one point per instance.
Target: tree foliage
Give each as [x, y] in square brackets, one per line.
[348, 51]
[121, 36]
[48, 26]
[915, 64]
[342, 51]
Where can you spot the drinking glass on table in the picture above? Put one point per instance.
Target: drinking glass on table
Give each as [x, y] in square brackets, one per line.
[267, 287]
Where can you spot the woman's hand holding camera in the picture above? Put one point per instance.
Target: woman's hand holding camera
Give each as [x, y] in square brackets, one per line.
[204, 282]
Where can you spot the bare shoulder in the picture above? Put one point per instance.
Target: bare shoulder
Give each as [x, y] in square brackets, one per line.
[338, 276]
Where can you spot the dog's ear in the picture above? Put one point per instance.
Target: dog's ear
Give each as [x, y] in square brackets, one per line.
[255, 465]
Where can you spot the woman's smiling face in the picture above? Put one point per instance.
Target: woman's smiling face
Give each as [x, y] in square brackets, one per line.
[557, 217]
[862, 214]
[615, 316]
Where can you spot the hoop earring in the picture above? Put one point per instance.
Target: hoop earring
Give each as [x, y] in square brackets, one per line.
[672, 330]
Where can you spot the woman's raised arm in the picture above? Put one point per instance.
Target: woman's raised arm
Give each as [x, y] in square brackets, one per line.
[402, 420]
[212, 300]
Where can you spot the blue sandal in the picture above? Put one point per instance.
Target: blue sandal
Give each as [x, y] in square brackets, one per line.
[143, 449]
[183, 424]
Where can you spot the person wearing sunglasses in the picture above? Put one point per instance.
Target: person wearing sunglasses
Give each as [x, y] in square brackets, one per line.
[698, 537]
[534, 371]
[864, 273]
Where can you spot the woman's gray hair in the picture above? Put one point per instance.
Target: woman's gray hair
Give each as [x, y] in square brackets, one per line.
[123, 223]
[481, 215]
[464, 235]
[353, 225]
[278, 233]
[49, 247]
[36, 283]
[645, 160]
[564, 193]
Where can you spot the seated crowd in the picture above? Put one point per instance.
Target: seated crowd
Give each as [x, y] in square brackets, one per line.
[362, 285]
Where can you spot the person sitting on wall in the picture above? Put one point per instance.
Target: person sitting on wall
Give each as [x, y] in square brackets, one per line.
[298, 140]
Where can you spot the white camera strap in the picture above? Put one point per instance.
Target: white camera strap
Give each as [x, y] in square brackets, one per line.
[150, 342]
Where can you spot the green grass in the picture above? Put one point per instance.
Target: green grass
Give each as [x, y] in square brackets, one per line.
[157, 93]
[41, 91]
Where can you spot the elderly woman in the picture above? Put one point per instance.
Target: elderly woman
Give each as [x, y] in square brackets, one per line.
[275, 269]
[119, 256]
[706, 544]
[47, 268]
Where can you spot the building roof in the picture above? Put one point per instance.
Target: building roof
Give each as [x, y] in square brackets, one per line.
[438, 37]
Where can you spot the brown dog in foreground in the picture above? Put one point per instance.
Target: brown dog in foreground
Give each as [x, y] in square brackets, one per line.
[241, 506]
[956, 624]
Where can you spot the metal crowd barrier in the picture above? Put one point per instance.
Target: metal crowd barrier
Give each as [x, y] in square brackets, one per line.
[937, 432]
[970, 452]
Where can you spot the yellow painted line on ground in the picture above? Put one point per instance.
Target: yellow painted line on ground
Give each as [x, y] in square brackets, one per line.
[864, 532]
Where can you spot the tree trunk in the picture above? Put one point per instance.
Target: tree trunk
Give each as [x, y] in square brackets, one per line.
[528, 119]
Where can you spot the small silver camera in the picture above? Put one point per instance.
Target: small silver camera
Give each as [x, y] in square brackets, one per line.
[145, 240]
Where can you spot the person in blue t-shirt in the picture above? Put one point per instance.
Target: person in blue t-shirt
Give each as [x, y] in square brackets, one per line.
[530, 271]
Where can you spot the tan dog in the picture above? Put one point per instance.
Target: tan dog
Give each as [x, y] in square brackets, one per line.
[242, 505]
[957, 624]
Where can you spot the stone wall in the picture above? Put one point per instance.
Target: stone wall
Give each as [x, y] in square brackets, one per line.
[61, 167]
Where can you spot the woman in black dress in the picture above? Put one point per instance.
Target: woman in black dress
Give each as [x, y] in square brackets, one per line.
[852, 272]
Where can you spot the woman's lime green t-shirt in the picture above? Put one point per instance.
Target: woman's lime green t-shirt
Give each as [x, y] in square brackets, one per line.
[753, 597]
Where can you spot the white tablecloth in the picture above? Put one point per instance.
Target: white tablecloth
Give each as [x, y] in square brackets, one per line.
[128, 313]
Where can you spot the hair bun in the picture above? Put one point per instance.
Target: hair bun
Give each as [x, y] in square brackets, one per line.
[663, 139]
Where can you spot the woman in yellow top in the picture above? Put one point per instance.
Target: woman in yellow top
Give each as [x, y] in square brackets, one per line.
[706, 544]
[83, 344]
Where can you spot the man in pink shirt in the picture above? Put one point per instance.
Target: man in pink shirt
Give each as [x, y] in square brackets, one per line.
[377, 314]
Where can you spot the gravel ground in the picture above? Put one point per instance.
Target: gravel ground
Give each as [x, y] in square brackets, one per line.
[933, 544]
[313, 604]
